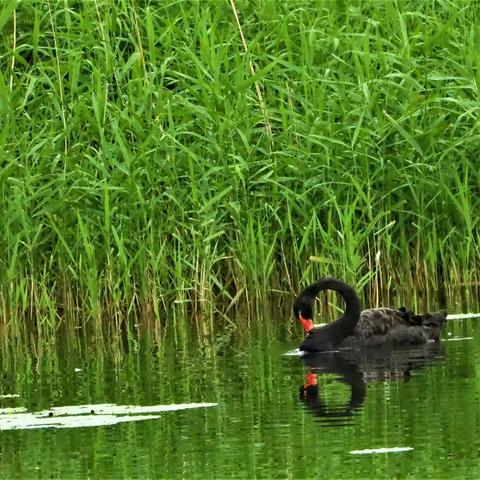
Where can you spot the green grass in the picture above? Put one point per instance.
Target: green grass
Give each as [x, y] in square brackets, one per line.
[143, 175]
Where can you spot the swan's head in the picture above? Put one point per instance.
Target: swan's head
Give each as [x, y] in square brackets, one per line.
[303, 311]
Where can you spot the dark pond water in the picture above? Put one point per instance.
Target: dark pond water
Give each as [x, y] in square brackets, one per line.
[425, 399]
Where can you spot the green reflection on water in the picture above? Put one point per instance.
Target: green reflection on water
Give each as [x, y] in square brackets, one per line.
[260, 428]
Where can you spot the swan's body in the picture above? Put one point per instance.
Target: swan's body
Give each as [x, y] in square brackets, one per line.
[367, 328]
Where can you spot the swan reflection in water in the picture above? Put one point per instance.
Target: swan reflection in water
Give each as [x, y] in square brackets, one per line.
[356, 369]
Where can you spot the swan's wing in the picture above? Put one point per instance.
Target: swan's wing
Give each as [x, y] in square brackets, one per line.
[399, 326]
[379, 321]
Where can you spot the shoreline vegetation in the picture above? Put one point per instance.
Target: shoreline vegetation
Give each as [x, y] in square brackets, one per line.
[156, 166]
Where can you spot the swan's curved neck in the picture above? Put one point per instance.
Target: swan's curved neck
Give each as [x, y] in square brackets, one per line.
[343, 326]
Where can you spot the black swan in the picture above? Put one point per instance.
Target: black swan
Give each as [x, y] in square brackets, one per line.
[367, 328]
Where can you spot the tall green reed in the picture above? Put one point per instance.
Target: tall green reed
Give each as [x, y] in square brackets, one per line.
[143, 177]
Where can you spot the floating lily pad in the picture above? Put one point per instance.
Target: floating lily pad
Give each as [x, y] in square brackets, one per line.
[9, 411]
[456, 339]
[459, 316]
[94, 415]
[369, 451]
[113, 409]
[28, 421]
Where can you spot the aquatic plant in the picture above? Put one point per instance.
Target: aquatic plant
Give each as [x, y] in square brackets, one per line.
[184, 159]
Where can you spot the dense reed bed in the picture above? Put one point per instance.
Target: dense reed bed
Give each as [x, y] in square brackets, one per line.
[163, 158]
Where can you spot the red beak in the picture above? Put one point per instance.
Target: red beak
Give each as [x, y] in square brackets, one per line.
[310, 379]
[306, 322]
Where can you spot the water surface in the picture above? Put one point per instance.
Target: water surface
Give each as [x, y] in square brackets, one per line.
[426, 400]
